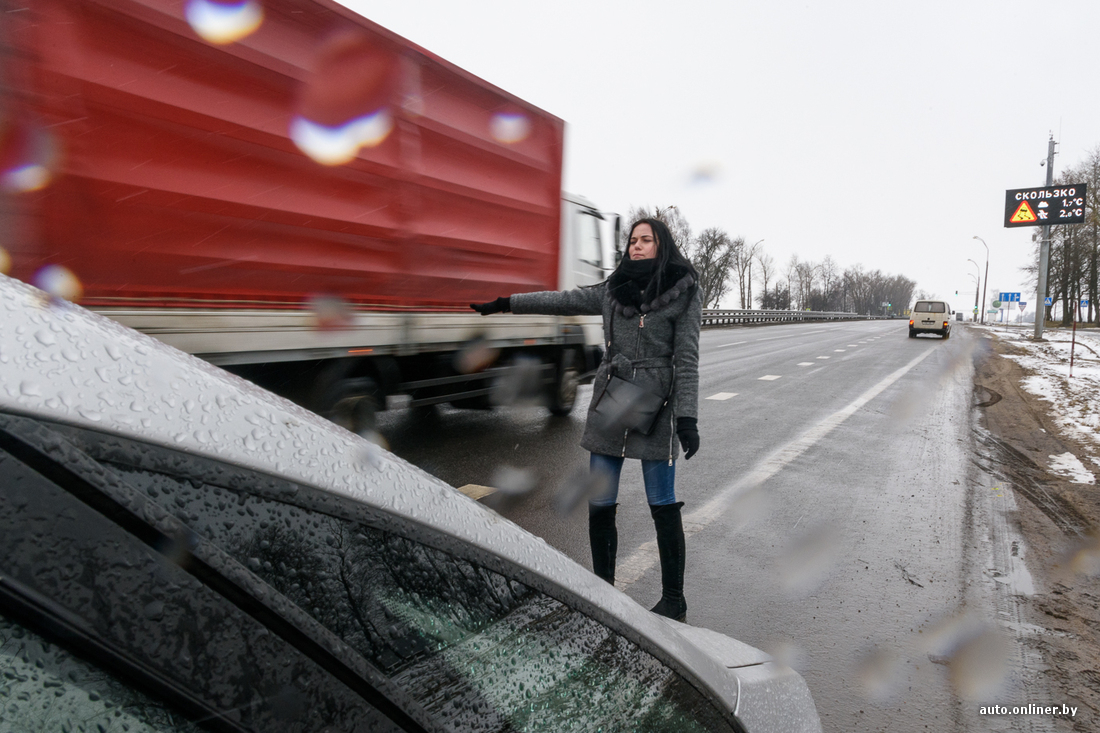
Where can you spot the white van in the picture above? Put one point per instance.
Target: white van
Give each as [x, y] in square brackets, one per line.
[930, 316]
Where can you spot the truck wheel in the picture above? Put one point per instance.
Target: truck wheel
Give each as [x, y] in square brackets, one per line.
[564, 394]
[353, 403]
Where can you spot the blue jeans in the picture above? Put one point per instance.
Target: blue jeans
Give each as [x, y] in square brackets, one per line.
[659, 477]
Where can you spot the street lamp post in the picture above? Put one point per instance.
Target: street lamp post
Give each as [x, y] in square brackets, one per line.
[752, 251]
[977, 284]
[986, 285]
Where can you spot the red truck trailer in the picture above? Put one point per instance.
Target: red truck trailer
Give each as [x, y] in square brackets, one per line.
[296, 194]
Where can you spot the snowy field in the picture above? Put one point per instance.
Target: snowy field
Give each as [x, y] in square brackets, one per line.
[1075, 400]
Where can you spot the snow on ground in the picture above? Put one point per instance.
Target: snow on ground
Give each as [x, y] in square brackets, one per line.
[1075, 400]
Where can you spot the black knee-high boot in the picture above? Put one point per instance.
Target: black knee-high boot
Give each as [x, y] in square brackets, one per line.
[604, 540]
[670, 546]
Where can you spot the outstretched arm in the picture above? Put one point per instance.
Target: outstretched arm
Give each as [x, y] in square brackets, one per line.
[578, 302]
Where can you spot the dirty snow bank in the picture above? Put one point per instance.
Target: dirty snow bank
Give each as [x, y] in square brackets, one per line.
[1075, 401]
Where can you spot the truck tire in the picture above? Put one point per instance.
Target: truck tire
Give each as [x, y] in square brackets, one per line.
[563, 395]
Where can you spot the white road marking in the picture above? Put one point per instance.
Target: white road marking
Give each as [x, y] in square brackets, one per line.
[839, 351]
[735, 343]
[853, 346]
[824, 357]
[770, 377]
[722, 396]
[645, 557]
[805, 363]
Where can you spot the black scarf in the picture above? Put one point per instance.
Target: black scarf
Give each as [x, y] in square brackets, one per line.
[633, 285]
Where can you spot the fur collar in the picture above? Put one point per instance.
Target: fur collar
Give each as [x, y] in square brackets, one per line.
[628, 298]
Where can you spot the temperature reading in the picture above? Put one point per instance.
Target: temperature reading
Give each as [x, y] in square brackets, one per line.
[1047, 205]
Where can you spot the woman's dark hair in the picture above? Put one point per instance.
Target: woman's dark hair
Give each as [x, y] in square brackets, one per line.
[667, 251]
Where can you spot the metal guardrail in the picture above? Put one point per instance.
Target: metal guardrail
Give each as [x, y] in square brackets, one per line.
[713, 318]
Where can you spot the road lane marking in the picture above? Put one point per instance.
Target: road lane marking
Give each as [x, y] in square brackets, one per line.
[770, 377]
[475, 491]
[645, 557]
[735, 343]
[805, 363]
[823, 357]
[722, 396]
[839, 351]
[852, 346]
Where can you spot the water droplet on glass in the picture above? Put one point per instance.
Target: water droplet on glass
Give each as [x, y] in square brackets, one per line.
[509, 127]
[878, 670]
[339, 145]
[474, 356]
[512, 481]
[808, 561]
[30, 389]
[58, 282]
[582, 485]
[155, 611]
[330, 312]
[224, 21]
[345, 105]
[29, 156]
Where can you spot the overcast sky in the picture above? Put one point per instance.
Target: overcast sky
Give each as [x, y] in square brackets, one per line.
[880, 133]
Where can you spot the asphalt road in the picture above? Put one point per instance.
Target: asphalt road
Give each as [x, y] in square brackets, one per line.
[832, 512]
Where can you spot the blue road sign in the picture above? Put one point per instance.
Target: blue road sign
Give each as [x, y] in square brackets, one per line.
[1023, 304]
[1010, 297]
[1084, 303]
[1048, 301]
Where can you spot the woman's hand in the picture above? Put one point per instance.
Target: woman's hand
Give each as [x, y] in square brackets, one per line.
[500, 305]
[687, 428]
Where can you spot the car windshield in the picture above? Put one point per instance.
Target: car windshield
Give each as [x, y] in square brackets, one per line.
[475, 649]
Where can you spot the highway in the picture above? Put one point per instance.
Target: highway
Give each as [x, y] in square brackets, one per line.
[834, 514]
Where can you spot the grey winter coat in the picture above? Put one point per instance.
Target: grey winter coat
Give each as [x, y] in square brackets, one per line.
[643, 349]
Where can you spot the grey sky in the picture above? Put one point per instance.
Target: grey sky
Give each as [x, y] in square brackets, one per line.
[881, 133]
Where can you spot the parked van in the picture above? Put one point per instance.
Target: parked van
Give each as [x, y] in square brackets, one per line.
[930, 316]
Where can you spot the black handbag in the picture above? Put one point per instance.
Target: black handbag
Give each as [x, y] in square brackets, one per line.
[625, 405]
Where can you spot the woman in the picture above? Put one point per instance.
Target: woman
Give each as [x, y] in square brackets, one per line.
[651, 310]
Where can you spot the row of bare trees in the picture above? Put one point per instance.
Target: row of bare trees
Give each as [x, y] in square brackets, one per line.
[1074, 262]
[729, 264]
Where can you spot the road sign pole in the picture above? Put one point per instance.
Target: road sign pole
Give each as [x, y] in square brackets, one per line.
[1044, 251]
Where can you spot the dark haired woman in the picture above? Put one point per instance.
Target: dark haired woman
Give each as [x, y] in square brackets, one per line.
[651, 312]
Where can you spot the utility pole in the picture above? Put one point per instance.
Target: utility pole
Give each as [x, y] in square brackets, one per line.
[1044, 254]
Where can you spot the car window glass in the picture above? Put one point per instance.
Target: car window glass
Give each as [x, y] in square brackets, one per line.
[479, 651]
[588, 239]
[141, 603]
[45, 688]
[928, 307]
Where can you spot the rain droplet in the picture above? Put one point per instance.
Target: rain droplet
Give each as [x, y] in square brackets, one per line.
[30, 389]
[512, 481]
[330, 312]
[224, 21]
[155, 611]
[28, 157]
[339, 145]
[45, 338]
[345, 105]
[509, 127]
[58, 282]
[808, 561]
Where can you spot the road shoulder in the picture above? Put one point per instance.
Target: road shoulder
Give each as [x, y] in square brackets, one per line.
[1057, 519]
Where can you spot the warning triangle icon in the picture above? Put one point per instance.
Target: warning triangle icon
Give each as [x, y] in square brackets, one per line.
[1023, 214]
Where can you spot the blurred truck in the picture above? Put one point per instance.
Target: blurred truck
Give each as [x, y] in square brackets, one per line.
[297, 195]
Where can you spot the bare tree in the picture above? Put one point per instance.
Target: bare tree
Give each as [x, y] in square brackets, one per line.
[766, 268]
[743, 259]
[713, 259]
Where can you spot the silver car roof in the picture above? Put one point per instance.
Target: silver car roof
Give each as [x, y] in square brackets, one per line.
[66, 364]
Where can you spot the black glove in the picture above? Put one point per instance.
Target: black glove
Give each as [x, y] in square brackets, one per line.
[687, 428]
[500, 305]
